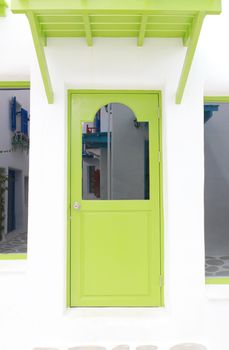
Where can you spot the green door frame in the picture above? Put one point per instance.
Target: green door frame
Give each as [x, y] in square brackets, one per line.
[70, 93]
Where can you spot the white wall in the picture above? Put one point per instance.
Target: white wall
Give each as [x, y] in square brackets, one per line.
[32, 303]
[15, 42]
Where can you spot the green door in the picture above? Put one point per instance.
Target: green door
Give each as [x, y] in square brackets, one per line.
[114, 199]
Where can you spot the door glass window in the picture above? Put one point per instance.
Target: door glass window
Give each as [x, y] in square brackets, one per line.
[115, 155]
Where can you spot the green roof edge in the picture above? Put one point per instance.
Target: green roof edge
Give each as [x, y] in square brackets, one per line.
[207, 6]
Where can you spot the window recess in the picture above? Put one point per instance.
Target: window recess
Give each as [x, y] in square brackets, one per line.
[216, 189]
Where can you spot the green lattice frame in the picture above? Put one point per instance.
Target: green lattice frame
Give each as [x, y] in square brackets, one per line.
[116, 18]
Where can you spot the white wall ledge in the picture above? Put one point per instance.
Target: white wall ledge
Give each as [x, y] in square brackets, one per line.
[14, 266]
[216, 292]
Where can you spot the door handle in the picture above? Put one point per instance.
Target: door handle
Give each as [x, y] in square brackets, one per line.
[76, 205]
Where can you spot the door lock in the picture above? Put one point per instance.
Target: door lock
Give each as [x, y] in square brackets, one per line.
[76, 206]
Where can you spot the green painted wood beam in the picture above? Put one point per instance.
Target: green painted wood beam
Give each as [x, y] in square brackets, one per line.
[13, 256]
[88, 31]
[217, 99]
[217, 280]
[3, 6]
[14, 84]
[186, 38]
[115, 19]
[106, 27]
[196, 28]
[208, 6]
[39, 47]
[142, 30]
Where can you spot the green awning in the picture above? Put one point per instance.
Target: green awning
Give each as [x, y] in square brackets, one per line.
[116, 19]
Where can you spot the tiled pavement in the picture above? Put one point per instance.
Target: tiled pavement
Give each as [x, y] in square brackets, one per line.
[14, 242]
[217, 266]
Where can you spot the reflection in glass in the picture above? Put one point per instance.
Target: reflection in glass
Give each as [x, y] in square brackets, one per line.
[14, 170]
[115, 155]
[216, 201]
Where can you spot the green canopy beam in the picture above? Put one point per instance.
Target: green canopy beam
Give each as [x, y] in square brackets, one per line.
[39, 41]
[88, 30]
[142, 30]
[3, 6]
[193, 40]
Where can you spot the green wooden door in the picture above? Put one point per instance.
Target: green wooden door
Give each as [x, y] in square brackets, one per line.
[114, 243]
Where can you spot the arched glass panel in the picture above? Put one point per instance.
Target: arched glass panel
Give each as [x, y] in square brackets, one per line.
[115, 155]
